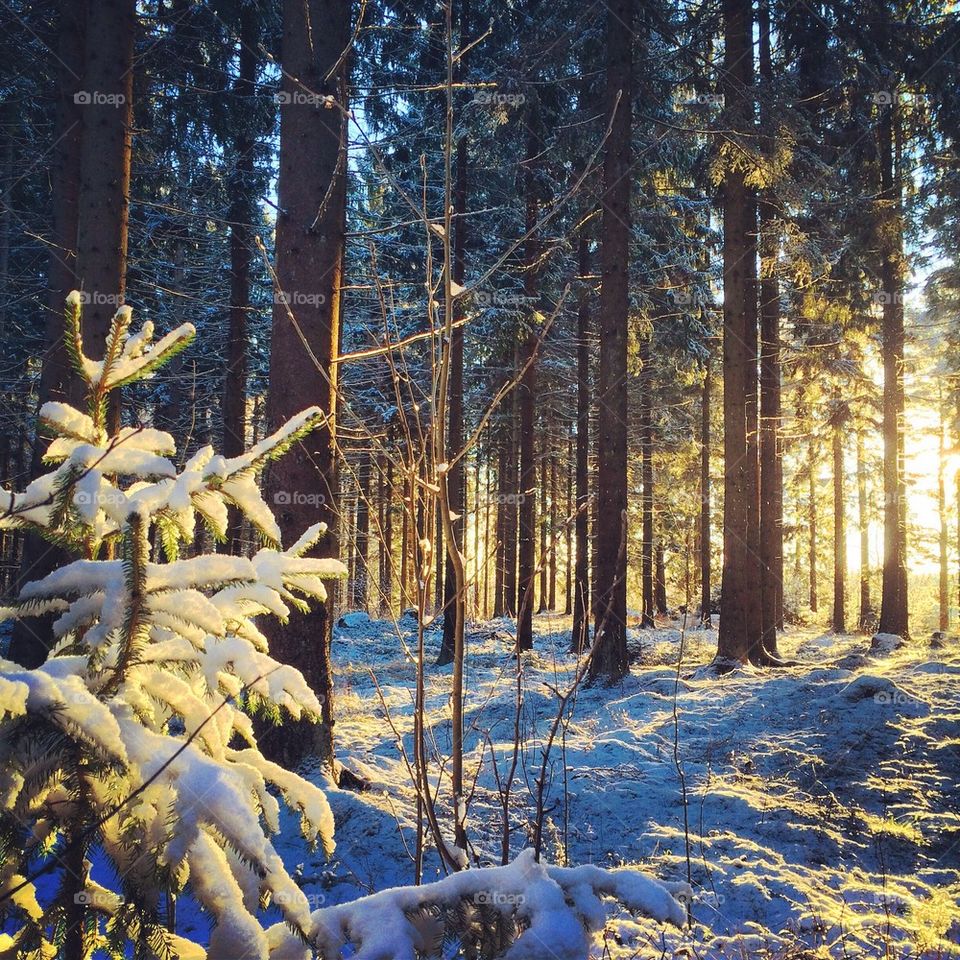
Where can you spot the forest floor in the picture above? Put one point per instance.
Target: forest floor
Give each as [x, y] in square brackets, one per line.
[823, 800]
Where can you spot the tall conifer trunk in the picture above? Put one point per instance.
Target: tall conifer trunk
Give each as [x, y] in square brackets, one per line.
[739, 636]
[610, 614]
[309, 255]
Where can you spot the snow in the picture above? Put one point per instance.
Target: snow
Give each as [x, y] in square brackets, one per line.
[822, 800]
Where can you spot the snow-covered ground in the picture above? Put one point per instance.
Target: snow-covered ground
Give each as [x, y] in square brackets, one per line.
[823, 803]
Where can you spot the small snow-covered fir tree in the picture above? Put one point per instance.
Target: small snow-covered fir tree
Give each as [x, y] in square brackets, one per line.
[129, 768]
[133, 743]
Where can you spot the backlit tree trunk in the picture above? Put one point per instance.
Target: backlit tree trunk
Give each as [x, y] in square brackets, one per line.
[739, 636]
[646, 476]
[771, 467]
[865, 619]
[705, 579]
[526, 393]
[242, 212]
[581, 574]
[839, 619]
[104, 205]
[893, 603]
[610, 643]
[309, 253]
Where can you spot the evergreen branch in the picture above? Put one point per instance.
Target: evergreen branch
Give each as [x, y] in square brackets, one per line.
[90, 831]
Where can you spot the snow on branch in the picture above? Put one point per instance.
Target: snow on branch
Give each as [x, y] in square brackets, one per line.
[135, 736]
[523, 911]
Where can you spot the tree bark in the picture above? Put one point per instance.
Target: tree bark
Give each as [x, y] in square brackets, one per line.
[542, 606]
[526, 392]
[706, 601]
[865, 620]
[812, 522]
[646, 475]
[944, 585]
[893, 602]
[55, 371]
[552, 535]
[103, 210]
[568, 533]
[739, 637]
[771, 466]
[581, 577]
[660, 581]
[309, 252]
[839, 619]
[242, 193]
[610, 644]
[361, 579]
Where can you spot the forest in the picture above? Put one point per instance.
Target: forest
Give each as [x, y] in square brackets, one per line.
[479, 480]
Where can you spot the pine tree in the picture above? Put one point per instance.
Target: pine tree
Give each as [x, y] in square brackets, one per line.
[134, 739]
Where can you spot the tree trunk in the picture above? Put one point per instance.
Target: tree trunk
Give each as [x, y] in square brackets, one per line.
[893, 603]
[646, 475]
[812, 522]
[359, 598]
[513, 499]
[544, 518]
[839, 530]
[771, 465]
[91, 176]
[243, 200]
[568, 533]
[660, 581]
[706, 601]
[385, 566]
[610, 644]
[581, 577]
[526, 392]
[105, 171]
[944, 618]
[65, 199]
[552, 535]
[739, 636]
[865, 620]
[309, 252]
